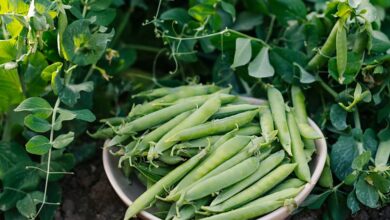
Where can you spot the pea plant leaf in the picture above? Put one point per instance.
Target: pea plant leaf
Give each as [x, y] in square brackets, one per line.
[39, 106]
[360, 161]
[352, 202]
[338, 117]
[51, 70]
[342, 155]
[70, 93]
[10, 155]
[354, 64]
[370, 142]
[63, 140]
[366, 193]
[286, 10]
[305, 77]
[229, 8]
[38, 145]
[242, 53]
[10, 89]
[27, 205]
[337, 205]
[379, 181]
[37, 124]
[260, 67]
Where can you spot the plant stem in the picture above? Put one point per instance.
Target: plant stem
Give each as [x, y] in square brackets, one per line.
[53, 120]
[143, 48]
[122, 25]
[5, 33]
[85, 9]
[270, 29]
[356, 118]
[89, 73]
[327, 88]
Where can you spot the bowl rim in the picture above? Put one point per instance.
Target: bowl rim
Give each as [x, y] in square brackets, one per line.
[281, 213]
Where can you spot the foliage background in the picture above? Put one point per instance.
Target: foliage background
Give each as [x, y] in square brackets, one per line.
[95, 54]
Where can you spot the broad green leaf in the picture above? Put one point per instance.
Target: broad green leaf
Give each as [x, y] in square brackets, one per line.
[37, 124]
[11, 92]
[351, 178]
[352, 202]
[36, 105]
[342, 154]
[243, 52]
[84, 115]
[61, 26]
[61, 163]
[48, 72]
[201, 11]
[360, 161]
[286, 10]
[305, 76]
[260, 67]
[316, 201]
[13, 214]
[380, 182]
[64, 115]
[282, 60]
[229, 8]
[354, 64]
[83, 47]
[383, 151]
[341, 52]
[247, 21]
[71, 92]
[27, 205]
[99, 5]
[8, 52]
[176, 14]
[369, 140]
[54, 195]
[338, 117]
[366, 193]
[337, 206]
[38, 145]
[104, 18]
[380, 42]
[31, 70]
[10, 155]
[63, 140]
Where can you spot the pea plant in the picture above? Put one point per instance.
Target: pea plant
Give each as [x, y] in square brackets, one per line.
[337, 50]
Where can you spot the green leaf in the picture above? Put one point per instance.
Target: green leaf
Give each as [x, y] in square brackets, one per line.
[282, 60]
[83, 47]
[31, 70]
[11, 92]
[54, 196]
[383, 152]
[247, 21]
[354, 64]
[65, 115]
[104, 18]
[369, 140]
[316, 201]
[84, 115]
[360, 161]
[342, 154]
[305, 76]
[10, 155]
[38, 145]
[229, 8]
[366, 193]
[352, 202]
[380, 42]
[70, 94]
[27, 205]
[63, 140]
[338, 117]
[286, 10]
[337, 206]
[341, 52]
[380, 182]
[37, 124]
[176, 14]
[61, 163]
[36, 105]
[48, 72]
[201, 11]
[8, 52]
[243, 52]
[351, 178]
[98, 5]
[260, 67]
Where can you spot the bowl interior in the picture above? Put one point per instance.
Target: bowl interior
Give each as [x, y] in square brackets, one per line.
[129, 189]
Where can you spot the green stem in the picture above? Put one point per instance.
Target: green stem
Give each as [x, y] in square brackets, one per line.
[122, 26]
[271, 27]
[327, 88]
[85, 9]
[53, 120]
[356, 118]
[89, 73]
[143, 48]
[326, 51]
[5, 33]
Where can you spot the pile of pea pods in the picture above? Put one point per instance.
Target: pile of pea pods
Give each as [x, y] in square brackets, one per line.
[203, 153]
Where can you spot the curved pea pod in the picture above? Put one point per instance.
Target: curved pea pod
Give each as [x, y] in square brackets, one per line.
[248, 212]
[383, 152]
[199, 116]
[215, 127]
[167, 181]
[232, 109]
[254, 191]
[198, 143]
[187, 152]
[222, 180]
[114, 120]
[217, 157]
[267, 124]
[103, 133]
[165, 114]
[289, 183]
[277, 196]
[183, 92]
[171, 159]
[251, 129]
[302, 169]
[278, 111]
[251, 149]
[157, 133]
[265, 167]
[308, 132]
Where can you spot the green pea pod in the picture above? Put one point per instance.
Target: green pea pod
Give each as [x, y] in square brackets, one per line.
[302, 169]
[265, 167]
[248, 212]
[249, 130]
[289, 183]
[326, 51]
[164, 183]
[215, 127]
[326, 178]
[341, 51]
[308, 132]
[222, 180]
[171, 160]
[103, 133]
[278, 111]
[279, 195]
[199, 116]
[230, 110]
[217, 157]
[254, 191]
[267, 124]
[383, 152]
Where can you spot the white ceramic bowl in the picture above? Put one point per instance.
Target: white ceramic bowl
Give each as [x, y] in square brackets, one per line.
[129, 192]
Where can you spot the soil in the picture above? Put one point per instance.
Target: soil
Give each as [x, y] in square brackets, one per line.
[89, 195]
